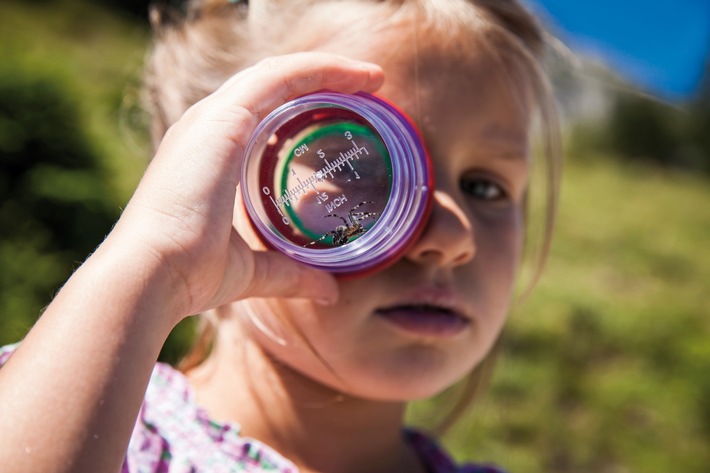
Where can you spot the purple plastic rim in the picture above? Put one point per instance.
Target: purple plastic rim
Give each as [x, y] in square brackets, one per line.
[404, 214]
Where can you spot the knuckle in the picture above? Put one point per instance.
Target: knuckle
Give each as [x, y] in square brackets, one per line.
[240, 123]
[270, 64]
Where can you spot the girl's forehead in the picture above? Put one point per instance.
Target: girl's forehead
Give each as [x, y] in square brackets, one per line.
[423, 77]
[417, 46]
[451, 84]
[407, 40]
[422, 60]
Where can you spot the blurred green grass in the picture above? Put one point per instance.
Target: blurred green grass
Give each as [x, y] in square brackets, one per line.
[604, 368]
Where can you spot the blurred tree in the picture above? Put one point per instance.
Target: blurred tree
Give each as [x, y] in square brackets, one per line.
[643, 128]
[700, 124]
[139, 8]
[136, 8]
[54, 207]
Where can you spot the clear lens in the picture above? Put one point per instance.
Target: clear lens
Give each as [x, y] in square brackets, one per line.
[340, 182]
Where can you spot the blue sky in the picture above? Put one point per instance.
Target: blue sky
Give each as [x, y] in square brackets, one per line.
[660, 45]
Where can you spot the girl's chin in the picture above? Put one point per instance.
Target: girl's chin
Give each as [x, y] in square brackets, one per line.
[399, 388]
[400, 394]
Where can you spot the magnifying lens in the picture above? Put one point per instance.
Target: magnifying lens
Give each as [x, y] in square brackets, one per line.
[340, 182]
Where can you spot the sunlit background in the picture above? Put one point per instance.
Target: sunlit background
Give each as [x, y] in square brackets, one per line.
[606, 368]
[657, 46]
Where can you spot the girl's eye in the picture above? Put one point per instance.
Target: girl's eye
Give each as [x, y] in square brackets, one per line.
[480, 187]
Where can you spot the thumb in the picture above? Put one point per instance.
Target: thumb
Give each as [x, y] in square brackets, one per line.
[277, 275]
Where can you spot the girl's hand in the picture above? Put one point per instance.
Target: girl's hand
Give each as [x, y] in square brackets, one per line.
[180, 218]
[85, 365]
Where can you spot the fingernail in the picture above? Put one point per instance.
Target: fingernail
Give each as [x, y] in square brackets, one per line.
[324, 302]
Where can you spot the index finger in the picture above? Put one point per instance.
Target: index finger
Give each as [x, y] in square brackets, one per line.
[274, 81]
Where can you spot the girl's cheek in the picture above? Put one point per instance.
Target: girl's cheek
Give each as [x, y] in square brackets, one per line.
[504, 236]
[515, 240]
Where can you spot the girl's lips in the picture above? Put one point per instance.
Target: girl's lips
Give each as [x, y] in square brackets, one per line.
[431, 314]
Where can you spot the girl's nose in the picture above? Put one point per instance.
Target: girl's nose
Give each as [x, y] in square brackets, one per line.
[448, 238]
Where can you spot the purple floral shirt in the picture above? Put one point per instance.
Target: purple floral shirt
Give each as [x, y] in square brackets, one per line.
[174, 435]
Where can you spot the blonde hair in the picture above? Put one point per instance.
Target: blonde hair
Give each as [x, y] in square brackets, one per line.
[197, 49]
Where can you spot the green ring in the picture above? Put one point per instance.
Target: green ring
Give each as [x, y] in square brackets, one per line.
[355, 129]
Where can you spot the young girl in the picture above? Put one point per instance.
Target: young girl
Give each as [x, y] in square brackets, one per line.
[296, 370]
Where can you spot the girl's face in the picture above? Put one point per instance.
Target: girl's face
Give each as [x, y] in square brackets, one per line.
[415, 328]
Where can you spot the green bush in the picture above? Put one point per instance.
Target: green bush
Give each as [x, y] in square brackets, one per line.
[668, 135]
[54, 208]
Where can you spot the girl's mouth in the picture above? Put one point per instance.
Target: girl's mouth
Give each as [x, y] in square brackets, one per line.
[425, 320]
